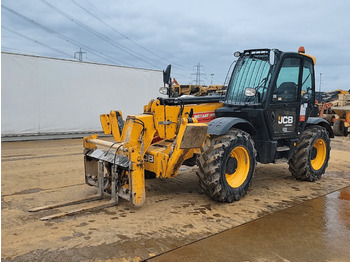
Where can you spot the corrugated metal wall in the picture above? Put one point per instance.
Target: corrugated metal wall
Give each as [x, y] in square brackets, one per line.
[42, 95]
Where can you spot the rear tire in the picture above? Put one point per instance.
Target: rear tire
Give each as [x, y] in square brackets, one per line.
[338, 128]
[310, 158]
[226, 165]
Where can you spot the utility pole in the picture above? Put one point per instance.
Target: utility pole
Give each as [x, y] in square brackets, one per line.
[198, 73]
[320, 83]
[212, 75]
[79, 54]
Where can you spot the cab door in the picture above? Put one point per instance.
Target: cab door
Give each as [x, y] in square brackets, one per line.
[307, 92]
[284, 106]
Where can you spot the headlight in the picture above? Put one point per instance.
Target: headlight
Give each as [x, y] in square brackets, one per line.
[250, 91]
[163, 90]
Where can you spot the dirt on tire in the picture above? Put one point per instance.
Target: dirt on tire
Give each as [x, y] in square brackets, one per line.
[300, 164]
[212, 164]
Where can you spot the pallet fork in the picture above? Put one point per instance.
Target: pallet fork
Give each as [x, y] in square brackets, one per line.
[100, 195]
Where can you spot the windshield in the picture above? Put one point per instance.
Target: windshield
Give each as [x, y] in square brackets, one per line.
[252, 70]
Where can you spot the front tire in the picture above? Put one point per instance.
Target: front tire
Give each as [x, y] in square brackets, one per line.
[226, 165]
[310, 158]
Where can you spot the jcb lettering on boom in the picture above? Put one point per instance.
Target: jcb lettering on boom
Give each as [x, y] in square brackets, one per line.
[148, 158]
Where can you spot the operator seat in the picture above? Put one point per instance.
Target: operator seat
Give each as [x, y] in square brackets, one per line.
[286, 92]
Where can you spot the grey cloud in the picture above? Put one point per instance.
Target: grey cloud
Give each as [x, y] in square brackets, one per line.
[188, 32]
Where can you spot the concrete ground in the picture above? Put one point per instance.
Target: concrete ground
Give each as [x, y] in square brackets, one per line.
[316, 230]
[280, 219]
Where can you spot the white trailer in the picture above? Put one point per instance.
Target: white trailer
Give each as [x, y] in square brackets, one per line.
[42, 95]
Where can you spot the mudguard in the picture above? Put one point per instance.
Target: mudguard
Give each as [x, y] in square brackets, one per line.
[321, 122]
[221, 125]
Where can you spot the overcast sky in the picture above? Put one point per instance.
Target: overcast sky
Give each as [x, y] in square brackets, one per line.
[155, 33]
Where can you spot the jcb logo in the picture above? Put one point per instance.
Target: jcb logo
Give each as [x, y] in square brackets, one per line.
[285, 120]
[148, 158]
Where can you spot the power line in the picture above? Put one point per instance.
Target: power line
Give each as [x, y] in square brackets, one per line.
[71, 41]
[65, 38]
[102, 36]
[124, 35]
[102, 13]
[115, 30]
[29, 52]
[35, 41]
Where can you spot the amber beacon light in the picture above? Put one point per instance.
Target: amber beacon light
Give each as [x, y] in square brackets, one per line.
[301, 50]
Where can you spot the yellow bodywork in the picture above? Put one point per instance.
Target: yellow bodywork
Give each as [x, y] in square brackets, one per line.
[157, 141]
[310, 56]
[110, 125]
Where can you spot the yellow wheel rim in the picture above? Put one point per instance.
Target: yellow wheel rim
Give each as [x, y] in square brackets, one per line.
[237, 167]
[318, 154]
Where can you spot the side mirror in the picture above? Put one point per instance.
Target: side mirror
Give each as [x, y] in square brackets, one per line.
[166, 75]
[306, 97]
[166, 90]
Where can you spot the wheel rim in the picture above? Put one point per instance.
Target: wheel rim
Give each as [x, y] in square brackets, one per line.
[237, 167]
[318, 155]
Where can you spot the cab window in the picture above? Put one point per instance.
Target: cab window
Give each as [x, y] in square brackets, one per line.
[286, 89]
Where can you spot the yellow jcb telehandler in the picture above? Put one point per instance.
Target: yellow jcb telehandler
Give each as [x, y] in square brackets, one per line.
[264, 116]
